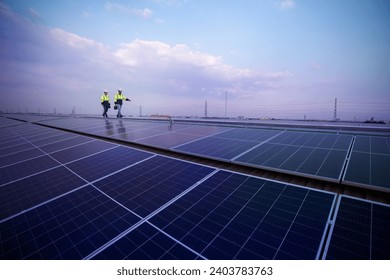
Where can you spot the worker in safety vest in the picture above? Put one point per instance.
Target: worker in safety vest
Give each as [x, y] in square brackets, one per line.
[118, 100]
[105, 101]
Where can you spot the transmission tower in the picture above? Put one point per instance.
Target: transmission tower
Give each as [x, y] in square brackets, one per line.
[335, 110]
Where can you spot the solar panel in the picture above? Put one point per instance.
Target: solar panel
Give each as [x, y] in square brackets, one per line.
[64, 144]
[70, 227]
[304, 153]
[31, 191]
[147, 186]
[101, 164]
[147, 243]
[79, 197]
[249, 134]
[6, 122]
[214, 147]
[232, 216]
[361, 231]
[18, 147]
[26, 168]
[168, 140]
[369, 162]
[80, 151]
[19, 156]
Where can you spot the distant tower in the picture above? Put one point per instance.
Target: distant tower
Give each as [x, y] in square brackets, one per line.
[205, 109]
[55, 110]
[335, 110]
[140, 110]
[226, 104]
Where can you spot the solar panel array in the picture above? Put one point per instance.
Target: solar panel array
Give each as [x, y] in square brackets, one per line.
[66, 196]
[325, 155]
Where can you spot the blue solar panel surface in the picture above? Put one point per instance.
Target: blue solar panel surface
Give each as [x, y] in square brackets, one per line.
[369, 162]
[69, 227]
[233, 216]
[64, 196]
[361, 231]
[310, 154]
[33, 190]
[150, 184]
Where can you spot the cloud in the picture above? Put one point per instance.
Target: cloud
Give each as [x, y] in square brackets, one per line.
[75, 41]
[286, 4]
[185, 71]
[35, 15]
[142, 13]
[50, 67]
[314, 66]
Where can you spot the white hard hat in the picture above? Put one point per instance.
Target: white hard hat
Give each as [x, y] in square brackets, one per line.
[119, 89]
[105, 91]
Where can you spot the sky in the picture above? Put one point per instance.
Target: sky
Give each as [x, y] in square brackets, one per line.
[267, 58]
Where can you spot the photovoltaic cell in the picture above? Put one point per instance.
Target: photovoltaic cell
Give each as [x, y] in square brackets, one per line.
[70, 227]
[309, 154]
[26, 168]
[145, 187]
[215, 147]
[80, 151]
[146, 243]
[248, 134]
[369, 162]
[50, 148]
[12, 143]
[361, 231]
[48, 137]
[19, 156]
[31, 191]
[99, 165]
[232, 216]
[169, 140]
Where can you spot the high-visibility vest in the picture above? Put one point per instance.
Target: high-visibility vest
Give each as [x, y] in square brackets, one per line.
[105, 98]
[118, 98]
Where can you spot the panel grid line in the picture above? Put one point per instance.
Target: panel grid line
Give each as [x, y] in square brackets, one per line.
[242, 208]
[201, 138]
[261, 143]
[124, 233]
[291, 224]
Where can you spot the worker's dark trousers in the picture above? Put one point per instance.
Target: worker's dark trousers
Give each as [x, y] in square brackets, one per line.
[105, 108]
